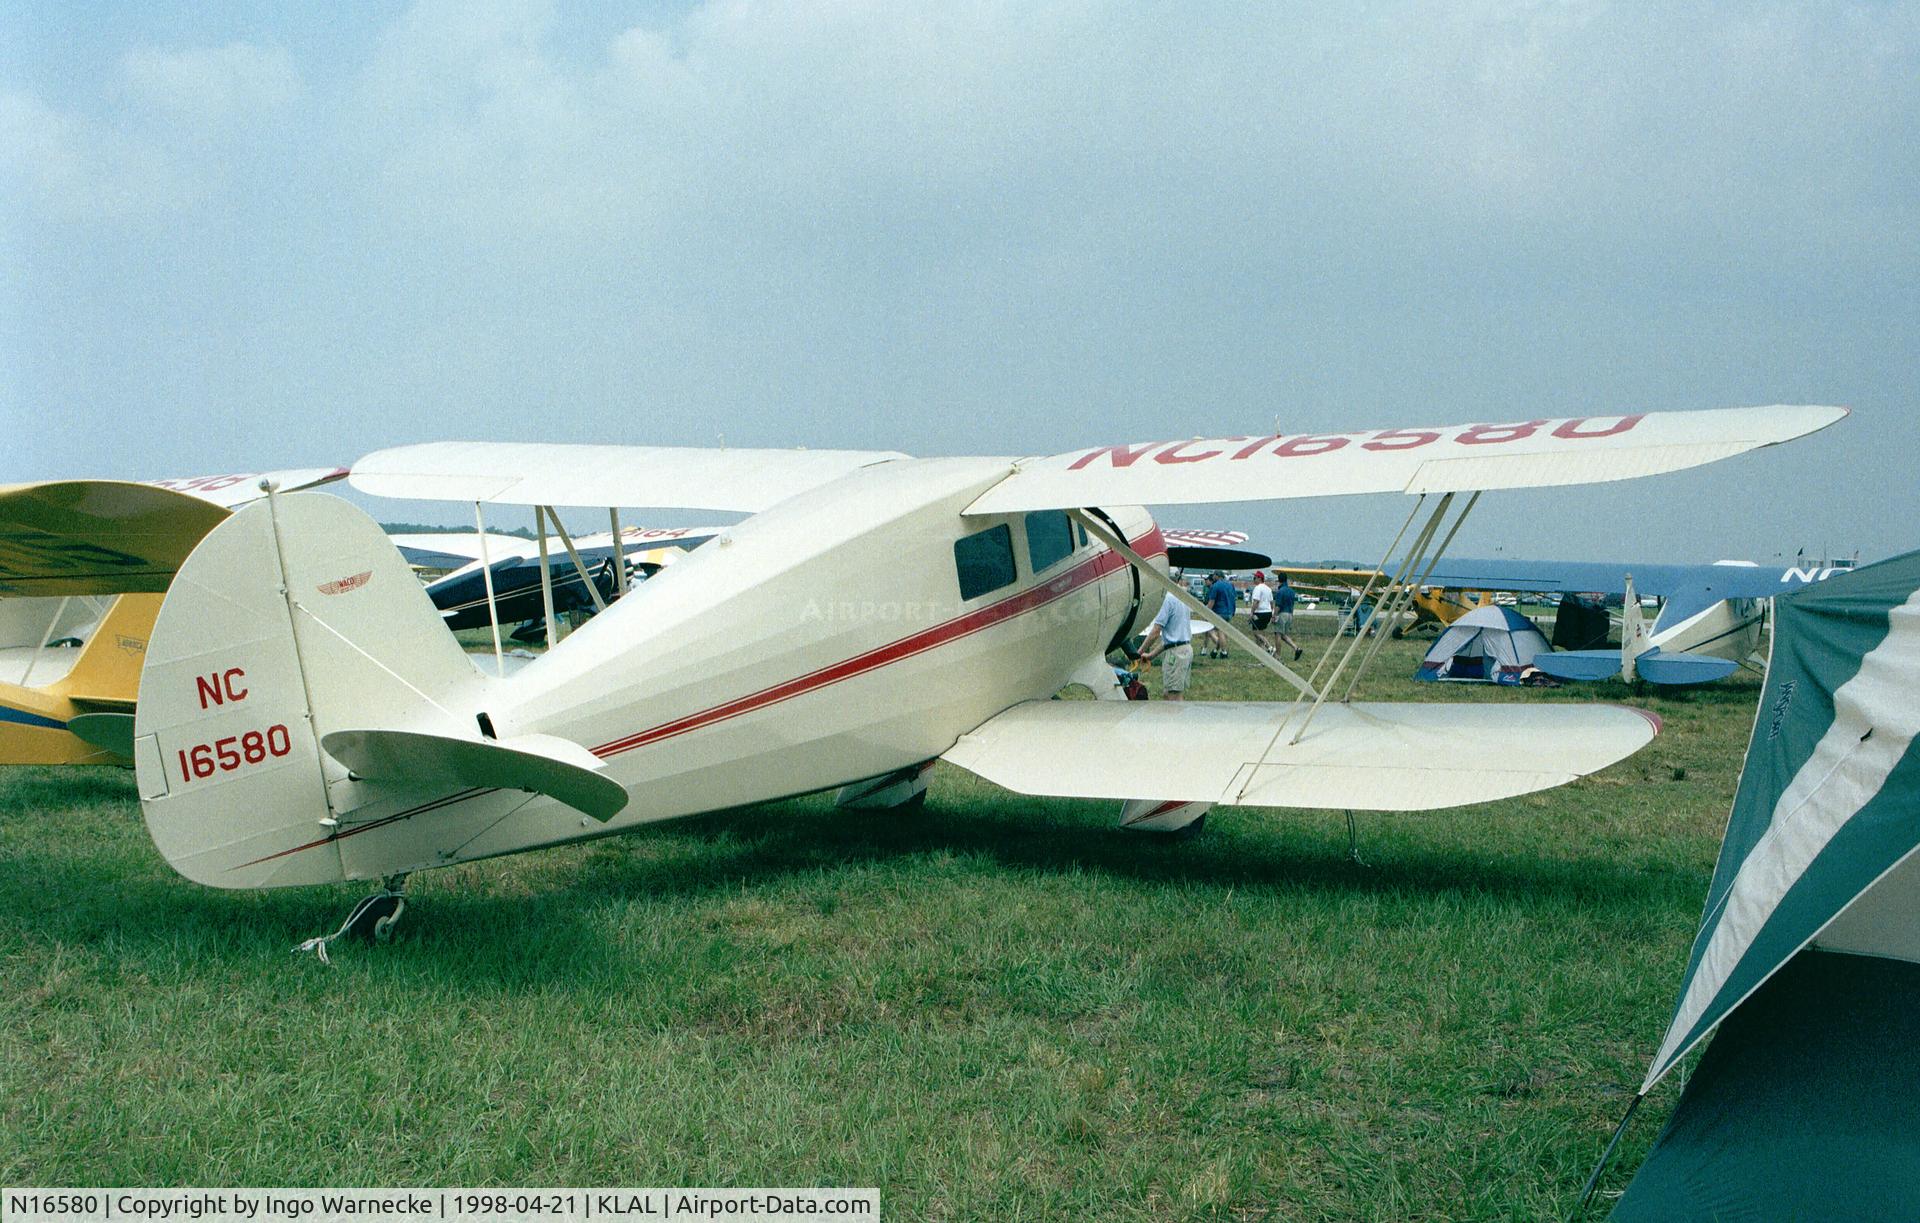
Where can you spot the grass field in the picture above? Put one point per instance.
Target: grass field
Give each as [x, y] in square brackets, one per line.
[999, 1007]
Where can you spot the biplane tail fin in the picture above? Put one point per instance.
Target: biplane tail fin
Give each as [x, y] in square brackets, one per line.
[293, 618]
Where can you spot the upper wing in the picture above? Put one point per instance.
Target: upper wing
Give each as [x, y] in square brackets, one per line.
[659, 477]
[1201, 549]
[1457, 458]
[1196, 538]
[1371, 757]
[233, 491]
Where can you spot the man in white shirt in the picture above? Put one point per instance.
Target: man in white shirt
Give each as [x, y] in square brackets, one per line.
[1261, 601]
[1171, 634]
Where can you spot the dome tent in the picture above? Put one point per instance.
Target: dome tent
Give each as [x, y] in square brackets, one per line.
[1493, 645]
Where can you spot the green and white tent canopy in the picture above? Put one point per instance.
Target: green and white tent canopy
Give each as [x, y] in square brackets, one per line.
[1808, 1104]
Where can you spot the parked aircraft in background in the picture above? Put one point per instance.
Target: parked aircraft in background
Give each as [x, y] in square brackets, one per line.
[305, 718]
[1709, 622]
[1209, 550]
[82, 565]
[501, 584]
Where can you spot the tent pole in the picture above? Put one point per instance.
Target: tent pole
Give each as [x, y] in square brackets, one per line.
[1606, 1157]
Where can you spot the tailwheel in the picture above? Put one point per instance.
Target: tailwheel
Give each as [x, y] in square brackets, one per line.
[372, 920]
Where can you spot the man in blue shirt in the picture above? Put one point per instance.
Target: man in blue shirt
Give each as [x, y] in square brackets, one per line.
[1171, 634]
[1223, 599]
[1283, 599]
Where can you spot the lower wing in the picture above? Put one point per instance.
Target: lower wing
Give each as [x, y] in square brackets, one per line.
[1369, 757]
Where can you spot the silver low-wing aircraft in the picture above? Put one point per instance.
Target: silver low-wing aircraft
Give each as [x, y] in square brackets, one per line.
[305, 718]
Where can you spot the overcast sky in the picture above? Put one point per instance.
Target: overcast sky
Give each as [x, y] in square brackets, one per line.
[239, 237]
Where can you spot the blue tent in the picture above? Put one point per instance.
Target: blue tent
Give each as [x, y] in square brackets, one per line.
[1492, 645]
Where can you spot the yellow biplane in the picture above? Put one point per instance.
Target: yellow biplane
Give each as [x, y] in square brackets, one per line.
[84, 565]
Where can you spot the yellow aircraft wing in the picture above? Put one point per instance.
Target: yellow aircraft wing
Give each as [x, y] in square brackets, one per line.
[69, 537]
[93, 537]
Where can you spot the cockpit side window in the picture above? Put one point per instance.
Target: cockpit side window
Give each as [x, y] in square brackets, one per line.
[984, 561]
[1049, 538]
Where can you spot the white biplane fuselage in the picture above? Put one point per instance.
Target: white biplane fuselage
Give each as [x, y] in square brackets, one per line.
[825, 641]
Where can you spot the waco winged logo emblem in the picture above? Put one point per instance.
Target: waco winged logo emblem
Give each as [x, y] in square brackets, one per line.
[346, 585]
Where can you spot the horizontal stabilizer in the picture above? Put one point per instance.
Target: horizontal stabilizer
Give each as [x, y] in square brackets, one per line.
[1371, 757]
[1660, 667]
[540, 764]
[1580, 666]
[112, 732]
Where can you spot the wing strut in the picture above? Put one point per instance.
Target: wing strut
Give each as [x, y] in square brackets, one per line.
[619, 552]
[1101, 532]
[1403, 596]
[1392, 602]
[546, 577]
[59, 610]
[486, 575]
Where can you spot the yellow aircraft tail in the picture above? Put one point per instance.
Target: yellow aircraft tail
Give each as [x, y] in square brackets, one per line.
[108, 669]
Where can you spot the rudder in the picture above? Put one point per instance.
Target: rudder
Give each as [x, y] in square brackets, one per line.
[293, 618]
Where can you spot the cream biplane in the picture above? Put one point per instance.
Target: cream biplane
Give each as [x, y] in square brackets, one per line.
[305, 718]
[82, 567]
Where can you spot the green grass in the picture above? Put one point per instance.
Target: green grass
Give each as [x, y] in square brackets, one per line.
[998, 1007]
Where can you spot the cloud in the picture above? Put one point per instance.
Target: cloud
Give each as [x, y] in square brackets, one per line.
[187, 113]
[211, 85]
[62, 167]
[1108, 125]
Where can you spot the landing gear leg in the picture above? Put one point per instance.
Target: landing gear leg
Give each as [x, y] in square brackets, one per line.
[1353, 842]
[372, 920]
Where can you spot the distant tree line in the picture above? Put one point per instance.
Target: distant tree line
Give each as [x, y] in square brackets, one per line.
[423, 528]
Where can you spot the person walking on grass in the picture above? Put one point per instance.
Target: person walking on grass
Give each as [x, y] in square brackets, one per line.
[1223, 599]
[1260, 607]
[1171, 634]
[1283, 601]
